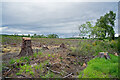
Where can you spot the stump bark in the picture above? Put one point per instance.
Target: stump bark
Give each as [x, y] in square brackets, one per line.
[26, 49]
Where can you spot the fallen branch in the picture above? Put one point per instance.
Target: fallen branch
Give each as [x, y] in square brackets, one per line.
[6, 73]
[53, 71]
[67, 75]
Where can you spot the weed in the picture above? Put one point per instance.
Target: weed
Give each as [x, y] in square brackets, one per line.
[61, 57]
[18, 60]
[35, 55]
[27, 70]
[53, 56]
[32, 73]
[12, 61]
[36, 67]
[49, 55]
[18, 73]
[39, 53]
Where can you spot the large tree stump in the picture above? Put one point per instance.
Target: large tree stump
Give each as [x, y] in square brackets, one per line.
[26, 49]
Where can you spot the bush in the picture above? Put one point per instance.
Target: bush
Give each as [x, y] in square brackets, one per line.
[86, 47]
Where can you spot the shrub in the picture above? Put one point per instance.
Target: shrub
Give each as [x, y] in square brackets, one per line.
[86, 47]
[18, 74]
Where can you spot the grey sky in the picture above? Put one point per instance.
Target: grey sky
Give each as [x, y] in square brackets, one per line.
[61, 18]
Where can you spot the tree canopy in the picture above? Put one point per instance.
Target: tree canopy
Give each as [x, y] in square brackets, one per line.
[104, 27]
[106, 24]
[52, 36]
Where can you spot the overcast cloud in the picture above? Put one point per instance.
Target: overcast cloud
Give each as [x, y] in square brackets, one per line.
[61, 18]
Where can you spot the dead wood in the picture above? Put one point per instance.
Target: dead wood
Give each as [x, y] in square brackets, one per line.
[67, 75]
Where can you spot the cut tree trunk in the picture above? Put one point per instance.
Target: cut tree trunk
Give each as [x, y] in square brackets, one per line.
[26, 49]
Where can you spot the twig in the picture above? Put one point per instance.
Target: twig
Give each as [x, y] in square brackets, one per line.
[6, 73]
[54, 71]
[67, 75]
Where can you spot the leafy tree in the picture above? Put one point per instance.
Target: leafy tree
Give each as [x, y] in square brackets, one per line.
[97, 32]
[53, 36]
[35, 34]
[28, 35]
[85, 29]
[106, 24]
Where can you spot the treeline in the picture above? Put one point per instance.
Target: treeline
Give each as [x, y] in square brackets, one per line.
[34, 36]
[43, 36]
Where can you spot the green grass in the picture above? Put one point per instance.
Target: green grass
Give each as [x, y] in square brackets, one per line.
[101, 68]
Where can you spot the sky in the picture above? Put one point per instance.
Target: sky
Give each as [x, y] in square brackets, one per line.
[62, 18]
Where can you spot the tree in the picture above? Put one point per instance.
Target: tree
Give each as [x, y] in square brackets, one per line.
[35, 35]
[85, 29]
[53, 36]
[28, 35]
[106, 23]
[97, 32]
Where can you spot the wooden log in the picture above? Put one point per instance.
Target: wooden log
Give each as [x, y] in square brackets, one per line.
[26, 49]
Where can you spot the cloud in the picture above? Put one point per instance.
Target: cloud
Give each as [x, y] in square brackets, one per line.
[3, 28]
[62, 18]
[60, 0]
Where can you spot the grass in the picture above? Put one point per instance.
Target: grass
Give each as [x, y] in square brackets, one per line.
[101, 68]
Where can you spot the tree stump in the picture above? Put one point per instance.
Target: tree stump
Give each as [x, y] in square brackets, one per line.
[62, 45]
[104, 54]
[26, 49]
